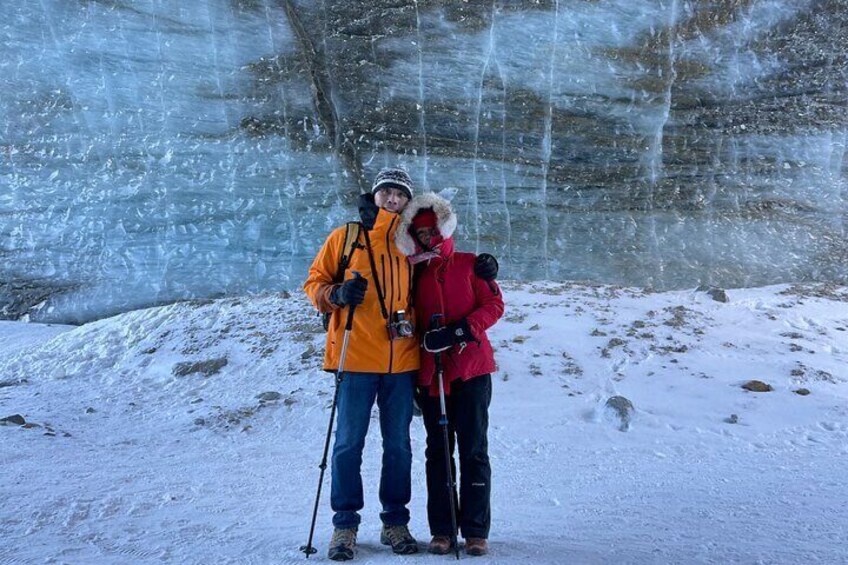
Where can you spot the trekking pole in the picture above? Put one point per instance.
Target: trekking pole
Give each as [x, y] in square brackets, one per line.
[443, 421]
[308, 549]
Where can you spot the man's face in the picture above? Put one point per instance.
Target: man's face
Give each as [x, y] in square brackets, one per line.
[391, 199]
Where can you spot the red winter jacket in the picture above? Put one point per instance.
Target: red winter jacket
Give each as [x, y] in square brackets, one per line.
[447, 285]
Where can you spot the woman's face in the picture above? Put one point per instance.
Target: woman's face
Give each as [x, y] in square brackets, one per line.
[425, 235]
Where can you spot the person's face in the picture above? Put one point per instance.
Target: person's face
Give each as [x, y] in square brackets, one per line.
[425, 235]
[391, 199]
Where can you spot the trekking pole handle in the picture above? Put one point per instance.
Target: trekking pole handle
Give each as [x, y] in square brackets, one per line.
[349, 323]
[434, 321]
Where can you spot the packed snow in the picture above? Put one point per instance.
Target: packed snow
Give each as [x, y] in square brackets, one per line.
[192, 433]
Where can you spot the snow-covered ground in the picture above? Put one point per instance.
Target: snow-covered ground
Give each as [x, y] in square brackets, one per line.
[192, 433]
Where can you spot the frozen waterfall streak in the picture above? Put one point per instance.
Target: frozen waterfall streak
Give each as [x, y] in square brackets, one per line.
[547, 141]
[656, 150]
[475, 204]
[422, 123]
[669, 75]
[216, 63]
[343, 147]
[160, 79]
[838, 143]
[507, 219]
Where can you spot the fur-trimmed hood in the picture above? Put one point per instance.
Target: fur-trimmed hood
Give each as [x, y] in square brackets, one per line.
[445, 220]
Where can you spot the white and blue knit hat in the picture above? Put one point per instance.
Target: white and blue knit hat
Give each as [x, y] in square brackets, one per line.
[393, 177]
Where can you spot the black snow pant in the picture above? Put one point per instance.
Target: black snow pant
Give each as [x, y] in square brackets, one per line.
[468, 422]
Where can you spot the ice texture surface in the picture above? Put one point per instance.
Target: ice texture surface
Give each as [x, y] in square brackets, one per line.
[160, 150]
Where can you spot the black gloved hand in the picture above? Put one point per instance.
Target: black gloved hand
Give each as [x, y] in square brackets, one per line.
[455, 333]
[352, 291]
[486, 267]
[368, 210]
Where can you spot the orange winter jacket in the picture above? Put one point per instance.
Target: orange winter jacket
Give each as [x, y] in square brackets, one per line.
[369, 350]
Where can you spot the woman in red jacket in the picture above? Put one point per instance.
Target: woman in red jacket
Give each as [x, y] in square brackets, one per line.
[454, 307]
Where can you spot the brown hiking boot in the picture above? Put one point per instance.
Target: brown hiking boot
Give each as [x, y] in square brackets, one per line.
[439, 545]
[476, 546]
[399, 538]
[343, 544]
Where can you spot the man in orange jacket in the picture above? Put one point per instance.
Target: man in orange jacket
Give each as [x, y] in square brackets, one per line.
[380, 364]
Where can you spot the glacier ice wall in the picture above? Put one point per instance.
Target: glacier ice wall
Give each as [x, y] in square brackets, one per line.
[158, 150]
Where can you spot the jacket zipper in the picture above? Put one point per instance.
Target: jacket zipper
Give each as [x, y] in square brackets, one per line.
[389, 233]
[399, 293]
[389, 321]
[391, 267]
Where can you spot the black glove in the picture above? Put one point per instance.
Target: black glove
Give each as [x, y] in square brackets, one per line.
[352, 291]
[368, 210]
[456, 333]
[486, 267]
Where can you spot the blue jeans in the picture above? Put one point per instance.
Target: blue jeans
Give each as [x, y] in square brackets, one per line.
[357, 392]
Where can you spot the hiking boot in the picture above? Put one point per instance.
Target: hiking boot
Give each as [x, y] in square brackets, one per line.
[476, 546]
[399, 538]
[440, 545]
[343, 544]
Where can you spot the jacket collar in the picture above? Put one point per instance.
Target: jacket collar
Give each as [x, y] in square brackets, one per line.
[385, 223]
[446, 249]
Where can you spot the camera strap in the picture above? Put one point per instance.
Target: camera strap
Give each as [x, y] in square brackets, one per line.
[376, 276]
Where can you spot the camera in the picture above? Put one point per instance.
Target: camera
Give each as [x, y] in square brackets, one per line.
[399, 327]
